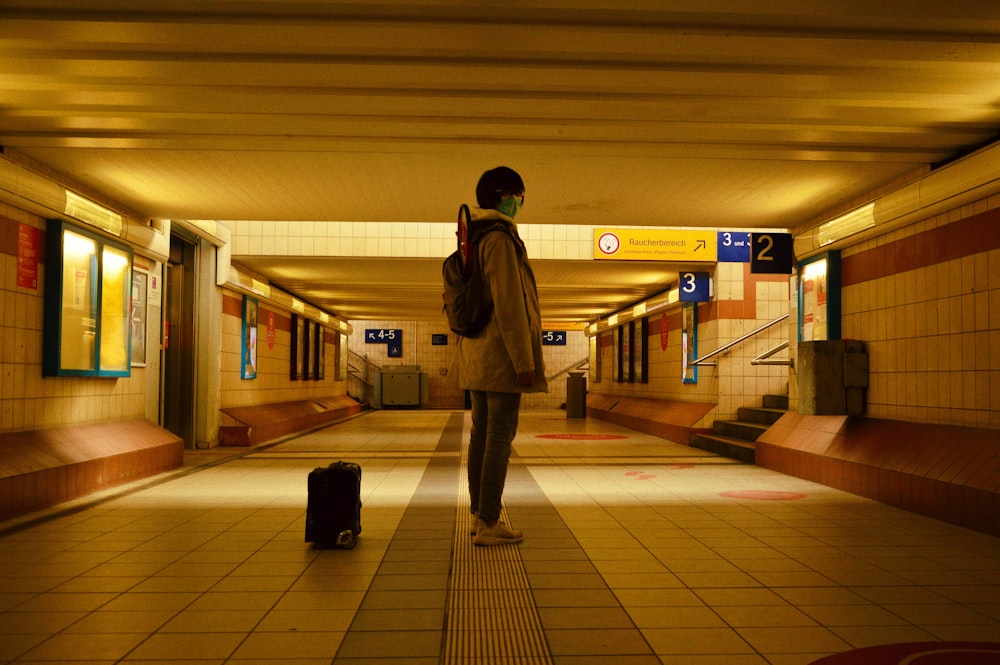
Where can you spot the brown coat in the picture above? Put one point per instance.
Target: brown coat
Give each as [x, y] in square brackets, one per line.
[512, 341]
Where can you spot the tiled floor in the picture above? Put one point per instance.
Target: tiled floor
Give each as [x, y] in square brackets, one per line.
[636, 551]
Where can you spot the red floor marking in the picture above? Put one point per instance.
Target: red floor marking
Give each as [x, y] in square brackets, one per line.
[763, 495]
[682, 466]
[582, 437]
[919, 653]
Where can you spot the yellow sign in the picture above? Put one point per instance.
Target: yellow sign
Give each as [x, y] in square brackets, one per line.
[656, 244]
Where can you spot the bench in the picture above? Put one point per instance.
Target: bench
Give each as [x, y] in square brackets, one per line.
[253, 425]
[947, 472]
[41, 468]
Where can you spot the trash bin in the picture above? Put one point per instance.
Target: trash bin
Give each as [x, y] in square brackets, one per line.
[576, 395]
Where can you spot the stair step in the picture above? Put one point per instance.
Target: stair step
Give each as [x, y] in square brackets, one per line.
[775, 402]
[758, 414]
[727, 446]
[739, 429]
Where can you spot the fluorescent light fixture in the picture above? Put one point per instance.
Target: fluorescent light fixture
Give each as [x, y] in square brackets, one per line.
[298, 306]
[639, 310]
[847, 225]
[260, 288]
[87, 211]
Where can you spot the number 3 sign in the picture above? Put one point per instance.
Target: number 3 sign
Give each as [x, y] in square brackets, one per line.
[694, 287]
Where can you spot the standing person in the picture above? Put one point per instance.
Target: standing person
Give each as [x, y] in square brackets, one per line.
[505, 359]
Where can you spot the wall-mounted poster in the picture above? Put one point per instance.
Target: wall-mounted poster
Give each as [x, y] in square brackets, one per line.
[596, 357]
[640, 351]
[319, 353]
[140, 282]
[88, 304]
[28, 246]
[689, 342]
[248, 368]
[295, 359]
[819, 298]
[307, 350]
[342, 356]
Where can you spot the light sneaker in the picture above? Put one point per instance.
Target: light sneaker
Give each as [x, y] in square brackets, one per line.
[498, 534]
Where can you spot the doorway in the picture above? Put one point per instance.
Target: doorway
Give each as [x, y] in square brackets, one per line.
[178, 395]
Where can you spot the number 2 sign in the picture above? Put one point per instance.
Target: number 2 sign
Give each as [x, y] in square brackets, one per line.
[771, 253]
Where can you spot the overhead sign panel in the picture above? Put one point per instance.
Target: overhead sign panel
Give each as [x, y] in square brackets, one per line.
[734, 247]
[771, 253]
[656, 244]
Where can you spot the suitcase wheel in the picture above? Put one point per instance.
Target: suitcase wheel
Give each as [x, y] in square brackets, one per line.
[347, 540]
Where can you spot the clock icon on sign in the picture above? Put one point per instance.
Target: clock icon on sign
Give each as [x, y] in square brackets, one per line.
[608, 243]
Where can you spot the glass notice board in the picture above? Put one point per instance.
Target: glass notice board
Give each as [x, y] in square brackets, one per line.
[88, 301]
[819, 298]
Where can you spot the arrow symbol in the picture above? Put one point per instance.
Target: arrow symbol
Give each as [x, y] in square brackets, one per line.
[701, 245]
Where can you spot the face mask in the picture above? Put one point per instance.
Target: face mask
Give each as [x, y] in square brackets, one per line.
[510, 206]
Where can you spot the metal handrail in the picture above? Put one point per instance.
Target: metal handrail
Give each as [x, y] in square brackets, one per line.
[360, 376]
[735, 342]
[764, 358]
[578, 364]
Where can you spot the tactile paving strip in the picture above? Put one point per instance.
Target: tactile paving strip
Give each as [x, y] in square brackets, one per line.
[491, 614]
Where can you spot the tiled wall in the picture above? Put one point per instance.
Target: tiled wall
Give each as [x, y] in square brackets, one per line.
[27, 400]
[743, 302]
[926, 299]
[273, 381]
[432, 240]
[435, 361]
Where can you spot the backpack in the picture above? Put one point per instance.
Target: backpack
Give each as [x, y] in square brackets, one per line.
[467, 301]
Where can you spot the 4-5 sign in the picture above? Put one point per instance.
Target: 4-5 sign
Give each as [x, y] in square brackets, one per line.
[391, 337]
[381, 335]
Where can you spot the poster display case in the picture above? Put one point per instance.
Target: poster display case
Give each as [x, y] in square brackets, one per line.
[88, 304]
[248, 362]
[689, 342]
[319, 353]
[819, 298]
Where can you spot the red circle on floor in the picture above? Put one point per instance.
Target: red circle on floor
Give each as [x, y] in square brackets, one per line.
[582, 437]
[919, 653]
[763, 495]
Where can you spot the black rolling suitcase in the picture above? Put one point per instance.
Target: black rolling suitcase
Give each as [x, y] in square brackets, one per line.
[333, 511]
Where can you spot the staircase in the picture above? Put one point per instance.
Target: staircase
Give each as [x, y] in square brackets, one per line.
[735, 438]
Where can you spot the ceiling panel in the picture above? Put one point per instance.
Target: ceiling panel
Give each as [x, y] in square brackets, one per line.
[708, 113]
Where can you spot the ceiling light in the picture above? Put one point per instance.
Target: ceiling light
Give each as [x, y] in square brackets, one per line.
[87, 211]
[847, 225]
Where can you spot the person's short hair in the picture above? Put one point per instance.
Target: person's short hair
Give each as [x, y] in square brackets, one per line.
[495, 183]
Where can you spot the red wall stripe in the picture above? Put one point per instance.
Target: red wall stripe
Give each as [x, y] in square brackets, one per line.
[972, 235]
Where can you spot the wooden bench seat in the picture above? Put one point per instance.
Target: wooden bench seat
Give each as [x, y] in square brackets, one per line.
[41, 468]
[253, 425]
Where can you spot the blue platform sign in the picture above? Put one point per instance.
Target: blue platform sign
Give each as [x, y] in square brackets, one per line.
[389, 336]
[381, 335]
[694, 287]
[734, 247]
[554, 338]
